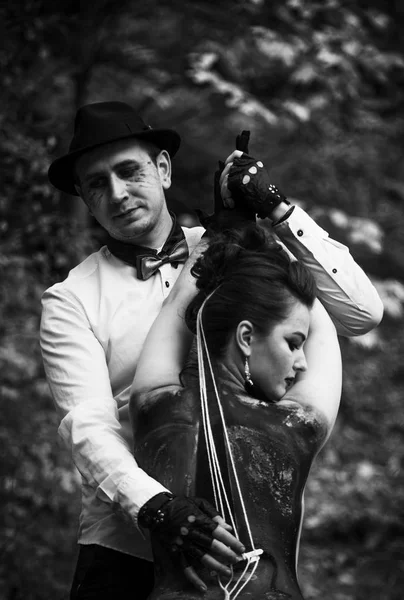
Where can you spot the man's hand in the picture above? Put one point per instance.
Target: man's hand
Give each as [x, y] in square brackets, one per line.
[192, 530]
[245, 182]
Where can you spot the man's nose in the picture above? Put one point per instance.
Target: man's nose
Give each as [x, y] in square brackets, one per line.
[300, 362]
[117, 188]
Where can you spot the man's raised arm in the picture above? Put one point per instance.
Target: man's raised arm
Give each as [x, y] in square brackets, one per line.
[343, 288]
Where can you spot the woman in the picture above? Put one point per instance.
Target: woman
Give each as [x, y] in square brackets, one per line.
[275, 403]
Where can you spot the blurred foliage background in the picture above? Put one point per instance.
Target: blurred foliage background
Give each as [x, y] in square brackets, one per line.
[320, 84]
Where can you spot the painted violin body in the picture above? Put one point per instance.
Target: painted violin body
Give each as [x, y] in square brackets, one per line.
[273, 446]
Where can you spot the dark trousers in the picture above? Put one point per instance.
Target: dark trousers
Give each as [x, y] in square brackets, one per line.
[105, 574]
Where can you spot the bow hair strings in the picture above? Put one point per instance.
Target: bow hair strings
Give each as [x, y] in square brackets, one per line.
[219, 489]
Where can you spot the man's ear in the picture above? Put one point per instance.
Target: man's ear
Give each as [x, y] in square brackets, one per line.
[163, 162]
[80, 193]
[244, 337]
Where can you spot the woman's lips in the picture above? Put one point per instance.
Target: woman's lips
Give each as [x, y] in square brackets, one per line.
[289, 382]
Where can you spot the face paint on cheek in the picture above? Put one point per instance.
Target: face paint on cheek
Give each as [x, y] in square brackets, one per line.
[141, 176]
[93, 198]
[146, 176]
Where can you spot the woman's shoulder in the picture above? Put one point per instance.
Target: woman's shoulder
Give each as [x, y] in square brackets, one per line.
[293, 418]
[301, 417]
[164, 404]
[146, 398]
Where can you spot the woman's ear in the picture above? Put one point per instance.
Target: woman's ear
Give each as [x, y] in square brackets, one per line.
[244, 337]
[164, 168]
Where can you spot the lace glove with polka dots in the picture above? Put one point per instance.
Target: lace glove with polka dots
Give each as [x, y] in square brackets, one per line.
[249, 183]
[192, 532]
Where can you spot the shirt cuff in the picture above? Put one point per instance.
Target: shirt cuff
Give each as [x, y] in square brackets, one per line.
[133, 493]
[296, 222]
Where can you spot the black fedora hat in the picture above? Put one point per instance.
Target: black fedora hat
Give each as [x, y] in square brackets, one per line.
[101, 123]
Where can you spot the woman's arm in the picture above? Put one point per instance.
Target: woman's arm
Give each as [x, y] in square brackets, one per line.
[345, 290]
[320, 386]
[168, 342]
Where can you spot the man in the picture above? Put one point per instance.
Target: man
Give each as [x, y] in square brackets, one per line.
[95, 322]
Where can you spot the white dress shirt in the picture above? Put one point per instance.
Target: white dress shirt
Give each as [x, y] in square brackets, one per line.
[344, 289]
[93, 328]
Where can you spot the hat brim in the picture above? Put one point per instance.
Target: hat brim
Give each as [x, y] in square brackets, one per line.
[61, 171]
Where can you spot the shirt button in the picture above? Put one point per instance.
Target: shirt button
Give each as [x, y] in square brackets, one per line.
[300, 232]
[334, 270]
[167, 284]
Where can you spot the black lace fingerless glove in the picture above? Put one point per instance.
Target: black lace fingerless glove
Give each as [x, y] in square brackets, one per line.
[153, 511]
[180, 524]
[249, 183]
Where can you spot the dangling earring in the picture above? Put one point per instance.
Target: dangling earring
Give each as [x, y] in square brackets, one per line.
[248, 384]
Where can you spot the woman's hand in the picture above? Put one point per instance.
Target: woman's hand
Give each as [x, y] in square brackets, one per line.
[193, 531]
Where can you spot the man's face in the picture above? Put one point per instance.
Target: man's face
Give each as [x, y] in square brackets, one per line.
[124, 188]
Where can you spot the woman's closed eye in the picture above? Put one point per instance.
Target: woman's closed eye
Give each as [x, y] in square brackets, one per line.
[294, 345]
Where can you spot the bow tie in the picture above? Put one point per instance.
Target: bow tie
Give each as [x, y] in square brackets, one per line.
[147, 260]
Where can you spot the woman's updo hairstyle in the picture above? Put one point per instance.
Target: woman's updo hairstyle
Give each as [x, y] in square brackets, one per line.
[254, 279]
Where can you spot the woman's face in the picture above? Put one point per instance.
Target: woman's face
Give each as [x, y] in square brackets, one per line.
[278, 356]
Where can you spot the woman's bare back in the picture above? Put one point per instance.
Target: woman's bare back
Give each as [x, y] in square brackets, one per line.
[273, 446]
